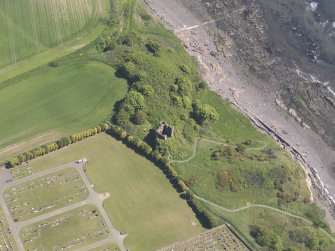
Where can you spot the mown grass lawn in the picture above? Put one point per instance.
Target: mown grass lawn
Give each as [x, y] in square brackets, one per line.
[142, 201]
[65, 99]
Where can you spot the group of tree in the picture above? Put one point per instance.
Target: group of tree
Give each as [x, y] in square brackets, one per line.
[51, 147]
[133, 108]
[267, 238]
[310, 239]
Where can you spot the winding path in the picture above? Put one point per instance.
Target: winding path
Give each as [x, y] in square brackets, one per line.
[194, 151]
[249, 205]
[261, 206]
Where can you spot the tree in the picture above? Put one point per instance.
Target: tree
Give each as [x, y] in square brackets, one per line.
[153, 47]
[136, 100]
[130, 71]
[267, 238]
[123, 135]
[204, 112]
[184, 86]
[139, 118]
[147, 90]
[182, 185]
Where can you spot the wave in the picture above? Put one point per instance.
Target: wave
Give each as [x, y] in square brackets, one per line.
[312, 79]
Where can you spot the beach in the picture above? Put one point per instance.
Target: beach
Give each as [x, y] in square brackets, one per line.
[261, 105]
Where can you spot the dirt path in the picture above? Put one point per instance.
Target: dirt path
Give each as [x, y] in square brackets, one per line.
[261, 206]
[196, 143]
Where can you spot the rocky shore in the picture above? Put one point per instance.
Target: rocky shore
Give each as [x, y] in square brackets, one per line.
[224, 76]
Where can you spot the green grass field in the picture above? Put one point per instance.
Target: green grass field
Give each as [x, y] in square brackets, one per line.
[71, 230]
[57, 101]
[7, 241]
[29, 27]
[279, 223]
[252, 178]
[143, 202]
[45, 194]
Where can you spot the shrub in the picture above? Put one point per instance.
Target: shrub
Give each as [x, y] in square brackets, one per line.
[184, 86]
[309, 239]
[130, 71]
[182, 185]
[135, 100]
[153, 47]
[185, 69]
[145, 16]
[204, 112]
[123, 135]
[267, 238]
[54, 64]
[139, 118]
[241, 149]
[147, 90]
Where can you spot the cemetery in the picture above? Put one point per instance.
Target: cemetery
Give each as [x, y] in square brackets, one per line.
[70, 230]
[44, 194]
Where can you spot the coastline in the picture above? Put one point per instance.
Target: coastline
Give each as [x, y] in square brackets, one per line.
[303, 144]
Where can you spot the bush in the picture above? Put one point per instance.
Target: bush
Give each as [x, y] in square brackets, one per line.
[130, 71]
[54, 64]
[184, 86]
[185, 69]
[267, 238]
[153, 47]
[139, 118]
[147, 90]
[204, 112]
[309, 239]
[182, 185]
[136, 100]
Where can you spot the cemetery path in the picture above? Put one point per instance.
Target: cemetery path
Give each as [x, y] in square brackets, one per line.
[93, 198]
